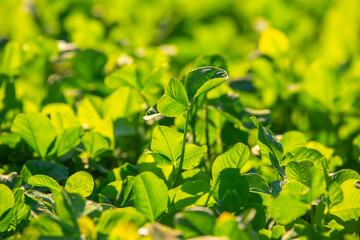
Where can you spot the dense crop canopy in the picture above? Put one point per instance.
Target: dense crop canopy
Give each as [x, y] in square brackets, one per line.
[140, 120]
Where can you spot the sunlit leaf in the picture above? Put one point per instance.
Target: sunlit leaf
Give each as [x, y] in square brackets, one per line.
[151, 197]
[44, 181]
[174, 101]
[36, 130]
[81, 183]
[235, 157]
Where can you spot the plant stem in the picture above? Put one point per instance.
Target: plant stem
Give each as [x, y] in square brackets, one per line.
[207, 129]
[183, 148]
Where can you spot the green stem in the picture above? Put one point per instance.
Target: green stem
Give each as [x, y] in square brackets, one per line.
[183, 148]
[193, 122]
[207, 131]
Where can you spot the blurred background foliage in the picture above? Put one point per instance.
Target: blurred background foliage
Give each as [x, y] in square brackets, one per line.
[300, 59]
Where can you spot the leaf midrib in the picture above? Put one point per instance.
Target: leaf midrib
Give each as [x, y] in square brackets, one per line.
[167, 143]
[149, 201]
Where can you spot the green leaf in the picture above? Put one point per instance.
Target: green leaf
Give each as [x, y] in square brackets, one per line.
[292, 139]
[62, 116]
[161, 160]
[227, 225]
[196, 221]
[110, 218]
[166, 146]
[151, 198]
[68, 140]
[125, 193]
[317, 184]
[69, 207]
[194, 193]
[123, 102]
[231, 190]
[11, 58]
[167, 142]
[257, 184]
[201, 80]
[39, 202]
[336, 195]
[235, 157]
[175, 101]
[95, 143]
[195, 174]
[349, 208]
[277, 231]
[46, 226]
[260, 218]
[44, 181]
[299, 171]
[10, 139]
[303, 153]
[36, 130]
[270, 147]
[62, 121]
[106, 128]
[51, 169]
[214, 60]
[286, 208]
[21, 209]
[273, 43]
[81, 183]
[127, 75]
[193, 155]
[6, 198]
[111, 190]
[89, 111]
[295, 188]
[345, 174]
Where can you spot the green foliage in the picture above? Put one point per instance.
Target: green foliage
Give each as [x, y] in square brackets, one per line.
[174, 101]
[236, 157]
[179, 119]
[36, 130]
[7, 199]
[81, 183]
[151, 197]
[44, 181]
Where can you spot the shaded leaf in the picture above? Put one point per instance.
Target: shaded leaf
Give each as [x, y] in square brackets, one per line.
[194, 193]
[231, 190]
[270, 147]
[201, 80]
[196, 221]
[51, 169]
